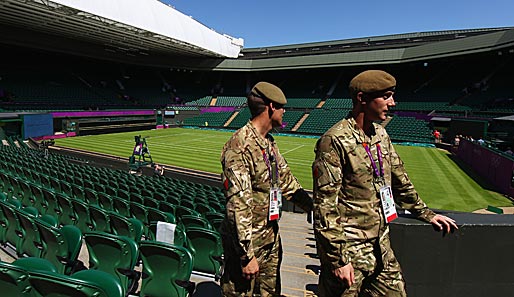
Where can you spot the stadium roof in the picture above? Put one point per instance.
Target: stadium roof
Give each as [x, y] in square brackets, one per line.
[158, 35]
[126, 27]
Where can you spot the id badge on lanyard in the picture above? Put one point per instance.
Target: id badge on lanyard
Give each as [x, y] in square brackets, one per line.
[275, 200]
[275, 195]
[385, 192]
[388, 206]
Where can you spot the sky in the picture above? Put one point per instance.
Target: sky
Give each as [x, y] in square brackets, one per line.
[284, 22]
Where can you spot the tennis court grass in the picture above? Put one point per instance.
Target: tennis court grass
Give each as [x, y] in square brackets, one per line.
[440, 181]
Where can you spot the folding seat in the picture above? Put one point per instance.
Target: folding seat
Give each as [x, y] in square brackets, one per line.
[105, 201]
[213, 215]
[134, 197]
[167, 207]
[126, 226]
[91, 196]
[150, 202]
[64, 211]
[30, 240]
[78, 180]
[61, 246]
[112, 183]
[123, 187]
[166, 270]
[88, 184]
[154, 215]
[195, 221]
[14, 276]
[109, 190]
[173, 199]
[55, 184]
[181, 210]
[145, 193]
[44, 180]
[14, 190]
[116, 255]
[26, 193]
[78, 193]
[207, 249]
[203, 208]
[187, 203]
[98, 187]
[123, 194]
[100, 219]
[179, 237]
[83, 218]
[159, 196]
[66, 188]
[9, 224]
[83, 283]
[121, 206]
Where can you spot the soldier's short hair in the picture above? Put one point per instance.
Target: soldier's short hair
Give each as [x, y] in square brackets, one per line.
[257, 105]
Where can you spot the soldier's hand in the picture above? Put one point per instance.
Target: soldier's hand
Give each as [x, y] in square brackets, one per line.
[346, 274]
[251, 270]
[444, 223]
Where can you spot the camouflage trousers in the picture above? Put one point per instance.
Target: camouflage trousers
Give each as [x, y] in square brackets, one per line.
[267, 283]
[376, 270]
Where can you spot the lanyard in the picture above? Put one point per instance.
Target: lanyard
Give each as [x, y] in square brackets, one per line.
[272, 166]
[379, 153]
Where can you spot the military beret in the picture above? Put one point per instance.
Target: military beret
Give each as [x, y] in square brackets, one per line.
[269, 91]
[371, 81]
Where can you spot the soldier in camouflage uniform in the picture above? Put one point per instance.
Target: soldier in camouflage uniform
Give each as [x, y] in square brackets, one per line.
[255, 176]
[355, 171]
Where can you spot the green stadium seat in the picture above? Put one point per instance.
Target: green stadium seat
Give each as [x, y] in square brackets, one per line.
[100, 219]
[61, 246]
[126, 226]
[166, 270]
[30, 240]
[84, 283]
[116, 255]
[207, 249]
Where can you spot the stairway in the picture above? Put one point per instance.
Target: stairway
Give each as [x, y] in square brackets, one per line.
[300, 122]
[232, 117]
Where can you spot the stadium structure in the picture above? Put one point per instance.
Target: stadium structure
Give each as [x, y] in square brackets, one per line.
[73, 68]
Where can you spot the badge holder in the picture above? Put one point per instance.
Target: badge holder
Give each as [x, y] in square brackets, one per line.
[388, 206]
[275, 201]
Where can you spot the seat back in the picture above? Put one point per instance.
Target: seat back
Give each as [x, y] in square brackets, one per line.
[116, 255]
[100, 219]
[130, 227]
[194, 221]
[208, 250]
[10, 225]
[163, 265]
[84, 283]
[60, 246]
[30, 240]
[14, 276]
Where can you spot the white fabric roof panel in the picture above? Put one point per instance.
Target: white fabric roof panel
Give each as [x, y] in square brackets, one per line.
[159, 18]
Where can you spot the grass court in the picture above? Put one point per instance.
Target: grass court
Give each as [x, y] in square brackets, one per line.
[440, 179]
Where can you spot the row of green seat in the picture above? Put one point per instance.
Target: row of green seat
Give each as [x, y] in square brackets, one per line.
[116, 254]
[38, 278]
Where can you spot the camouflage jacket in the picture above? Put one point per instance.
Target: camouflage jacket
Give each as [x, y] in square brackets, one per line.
[247, 184]
[347, 208]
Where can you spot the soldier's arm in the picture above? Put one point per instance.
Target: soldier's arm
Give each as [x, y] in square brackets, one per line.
[404, 193]
[327, 178]
[238, 191]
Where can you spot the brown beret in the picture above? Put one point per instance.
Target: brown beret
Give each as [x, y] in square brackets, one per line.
[269, 91]
[371, 81]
